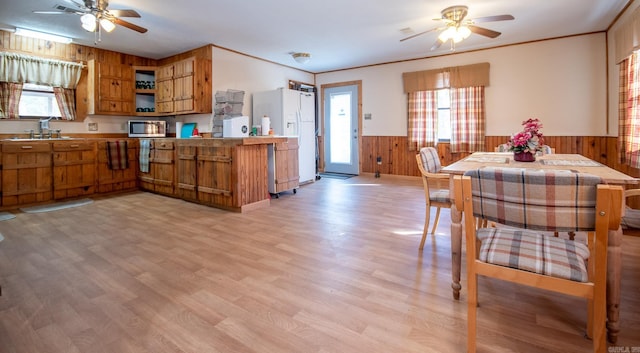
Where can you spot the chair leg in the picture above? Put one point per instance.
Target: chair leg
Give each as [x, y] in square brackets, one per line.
[435, 221]
[598, 317]
[472, 308]
[590, 318]
[427, 218]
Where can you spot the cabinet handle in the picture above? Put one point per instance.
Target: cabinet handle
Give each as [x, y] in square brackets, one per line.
[74, 146]
[26, 147]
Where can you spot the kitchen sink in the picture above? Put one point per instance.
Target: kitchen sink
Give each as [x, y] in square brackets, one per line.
[44, 139]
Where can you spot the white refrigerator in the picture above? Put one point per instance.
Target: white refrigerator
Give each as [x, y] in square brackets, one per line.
[292, 113]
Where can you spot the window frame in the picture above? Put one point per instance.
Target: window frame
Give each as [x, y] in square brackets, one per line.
[33, 90]
[442, 108]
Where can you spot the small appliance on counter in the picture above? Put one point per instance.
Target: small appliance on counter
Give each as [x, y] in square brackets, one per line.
[147, 128]
[235, 127]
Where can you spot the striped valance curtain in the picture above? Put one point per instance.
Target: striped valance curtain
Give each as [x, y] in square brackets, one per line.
[627, 37]
[474, 75]
[466, 84]
[19, 68]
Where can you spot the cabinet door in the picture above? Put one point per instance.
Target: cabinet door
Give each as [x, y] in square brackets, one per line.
[74, 169]
[286, 165]
[215, 183]
[187, 172]
[183, 84]
[163, 164]
[110, 180]
[164, 89]
[26, 173]
[115, 89]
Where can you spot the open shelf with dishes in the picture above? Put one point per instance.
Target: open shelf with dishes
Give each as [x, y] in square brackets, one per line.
[145, 91]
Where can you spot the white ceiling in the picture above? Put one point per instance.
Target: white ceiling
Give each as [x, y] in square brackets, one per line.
[339, 34]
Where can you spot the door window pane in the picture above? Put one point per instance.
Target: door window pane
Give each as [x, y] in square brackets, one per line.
[340, 127]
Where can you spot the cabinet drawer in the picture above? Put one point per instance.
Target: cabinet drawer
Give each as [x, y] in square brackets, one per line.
[163, 144]
[73, 146]
[26, 147]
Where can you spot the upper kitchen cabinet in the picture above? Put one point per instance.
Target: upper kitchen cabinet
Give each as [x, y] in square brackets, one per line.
[184, 87]
[110, 89]
[164, 89]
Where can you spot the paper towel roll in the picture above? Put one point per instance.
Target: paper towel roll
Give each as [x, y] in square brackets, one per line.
[178, 129]
[265, 125]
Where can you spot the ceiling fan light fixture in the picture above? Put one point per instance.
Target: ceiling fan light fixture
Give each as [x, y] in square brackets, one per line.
[301, 58]
[89, 22]
[464, 31]
[456, 34]
[107, 25]
[447, 34]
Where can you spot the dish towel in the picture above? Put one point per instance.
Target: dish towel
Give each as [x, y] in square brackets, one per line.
[145, 150]
[117, 155]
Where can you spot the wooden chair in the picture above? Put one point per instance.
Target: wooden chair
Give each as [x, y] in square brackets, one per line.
[548, 150]
[631, 218]
[519, 253]
[436, 187]
[503, 147]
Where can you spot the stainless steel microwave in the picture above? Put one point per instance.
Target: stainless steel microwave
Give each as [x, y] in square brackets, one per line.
[147, 128]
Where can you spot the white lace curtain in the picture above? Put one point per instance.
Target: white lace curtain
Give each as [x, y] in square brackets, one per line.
[19, 68]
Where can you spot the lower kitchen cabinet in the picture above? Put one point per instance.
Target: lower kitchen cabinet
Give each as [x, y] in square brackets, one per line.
[26, 173]
[224, 173]
[214, 170]
[74, 169]
[114, 180]
[187, 172]
[284, 173]
[161, 177]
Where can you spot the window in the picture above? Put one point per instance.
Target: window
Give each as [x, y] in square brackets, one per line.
[38, 101]
[444, 114]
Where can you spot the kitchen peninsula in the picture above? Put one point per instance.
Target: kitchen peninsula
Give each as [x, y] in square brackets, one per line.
[227, 173]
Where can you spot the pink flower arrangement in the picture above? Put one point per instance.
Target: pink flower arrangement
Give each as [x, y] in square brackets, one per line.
[530, 139]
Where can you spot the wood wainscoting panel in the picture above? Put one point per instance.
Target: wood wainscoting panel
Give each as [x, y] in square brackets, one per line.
[398, 159]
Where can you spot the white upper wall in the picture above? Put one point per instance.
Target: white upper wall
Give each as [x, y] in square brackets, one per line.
[235, 71]
[240, 72]
[562, 82]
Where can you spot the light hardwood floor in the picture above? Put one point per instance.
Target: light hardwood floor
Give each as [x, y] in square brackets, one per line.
[334, 268]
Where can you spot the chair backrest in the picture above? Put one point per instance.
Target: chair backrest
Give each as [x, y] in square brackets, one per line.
[549, 200]
[546, 149]
[430, 159]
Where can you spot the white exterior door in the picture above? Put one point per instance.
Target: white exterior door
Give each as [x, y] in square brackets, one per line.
[341, 130]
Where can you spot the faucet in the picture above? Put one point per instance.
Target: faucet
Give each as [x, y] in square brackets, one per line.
[44, 125]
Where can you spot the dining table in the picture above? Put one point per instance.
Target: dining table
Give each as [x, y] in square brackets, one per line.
[573, 162]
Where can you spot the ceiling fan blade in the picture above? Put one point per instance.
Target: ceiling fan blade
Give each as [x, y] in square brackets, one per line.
[129, 25]
[492, 18]
[52, 12]
[419, 34]
[61, 10]
[436, 45]
[124, 13]
[484, 31]
[81, 5]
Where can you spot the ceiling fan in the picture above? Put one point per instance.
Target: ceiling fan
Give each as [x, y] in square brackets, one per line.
[457, 28]
[95, 15]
